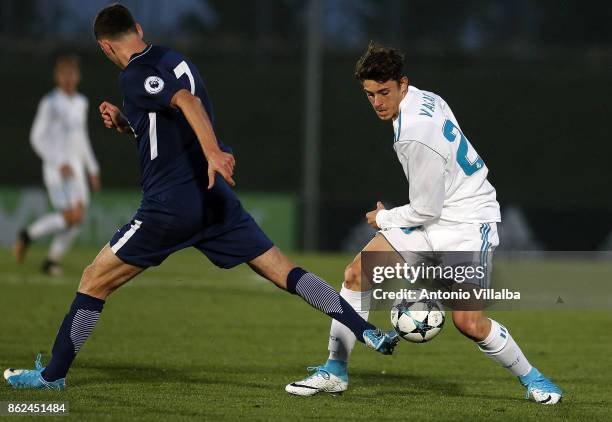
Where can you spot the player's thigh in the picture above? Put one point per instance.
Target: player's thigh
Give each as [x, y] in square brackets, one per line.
[55, 190]
[106, 274]
[396, 246]
[353, 279]
[274, 266]
[411, 243]
[79, 189]
[58, 197]
[378, 244]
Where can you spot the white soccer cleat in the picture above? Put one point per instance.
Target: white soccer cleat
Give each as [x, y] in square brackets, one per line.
[322, 381]
[545, 397]
[540, 388]
[10, 372]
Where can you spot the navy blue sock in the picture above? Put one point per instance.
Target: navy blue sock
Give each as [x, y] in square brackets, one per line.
[322, 296]
[78, 324]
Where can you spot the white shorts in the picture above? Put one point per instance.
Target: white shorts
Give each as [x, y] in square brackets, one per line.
[408, 242]
[67, 193]
[480, 239]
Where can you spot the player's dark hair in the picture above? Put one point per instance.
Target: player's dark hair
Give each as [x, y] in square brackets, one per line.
[113, 21]
[380, 64]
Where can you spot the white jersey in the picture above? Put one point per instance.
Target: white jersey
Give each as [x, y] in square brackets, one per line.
[59, 135]
[447, 178]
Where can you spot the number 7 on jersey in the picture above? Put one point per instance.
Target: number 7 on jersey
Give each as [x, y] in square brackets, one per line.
[181, 69]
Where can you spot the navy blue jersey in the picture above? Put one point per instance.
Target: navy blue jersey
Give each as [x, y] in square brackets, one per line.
[177, 210]
[170, 154]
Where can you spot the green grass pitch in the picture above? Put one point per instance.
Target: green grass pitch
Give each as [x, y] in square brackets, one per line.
[189, 341]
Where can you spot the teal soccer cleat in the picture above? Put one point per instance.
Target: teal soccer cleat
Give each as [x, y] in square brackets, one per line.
[32, 378]
[380, 341]
[541, 388]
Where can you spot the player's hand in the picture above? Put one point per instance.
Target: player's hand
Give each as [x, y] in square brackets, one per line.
[95, 182]
[371, 216]
[222, 163]
[112, 118]
[66, 171]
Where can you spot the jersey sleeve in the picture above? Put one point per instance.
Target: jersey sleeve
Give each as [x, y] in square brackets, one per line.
[88, 155]
[39, 133]
[150, 87]
[424, 168]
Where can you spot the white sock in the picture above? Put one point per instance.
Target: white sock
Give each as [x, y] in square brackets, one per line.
[61, 243]
[47, 224]
[501, 347]
[341, 338]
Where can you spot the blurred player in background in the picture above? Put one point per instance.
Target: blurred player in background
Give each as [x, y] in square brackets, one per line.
[453, 208]
[187, 199]
[59, 137]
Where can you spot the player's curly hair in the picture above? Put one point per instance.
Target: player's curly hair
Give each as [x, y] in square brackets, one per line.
[380, 64]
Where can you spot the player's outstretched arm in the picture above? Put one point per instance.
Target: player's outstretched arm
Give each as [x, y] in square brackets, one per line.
[218, 161]
[113, 118]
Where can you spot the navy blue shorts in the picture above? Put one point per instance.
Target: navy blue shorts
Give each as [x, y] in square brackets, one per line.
[189, 215]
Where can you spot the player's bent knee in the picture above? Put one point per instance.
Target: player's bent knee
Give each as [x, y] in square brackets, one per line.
[352, 277]
[93, 284]
[87, 278]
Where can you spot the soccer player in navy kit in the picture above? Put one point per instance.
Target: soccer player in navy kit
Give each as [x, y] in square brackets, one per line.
[187, 199]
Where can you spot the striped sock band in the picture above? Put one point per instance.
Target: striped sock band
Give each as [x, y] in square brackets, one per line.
[82, 325]
[318, 293]
[323, 297]
[77, 326]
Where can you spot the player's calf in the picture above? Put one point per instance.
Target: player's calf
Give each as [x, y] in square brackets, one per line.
[472, 324]
[103, 276]
[21, 245]
[352, 276]
[499, 345]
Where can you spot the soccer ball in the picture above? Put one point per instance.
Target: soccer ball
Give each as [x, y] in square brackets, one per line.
[417, 322]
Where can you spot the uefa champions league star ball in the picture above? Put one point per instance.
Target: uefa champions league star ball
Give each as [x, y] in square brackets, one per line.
[419, 321]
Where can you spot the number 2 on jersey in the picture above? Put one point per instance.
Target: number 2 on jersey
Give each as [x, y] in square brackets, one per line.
[181, 69]
[468, 166]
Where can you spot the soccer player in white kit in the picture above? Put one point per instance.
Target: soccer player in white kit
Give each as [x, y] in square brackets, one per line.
[59, 137]
[452, 207]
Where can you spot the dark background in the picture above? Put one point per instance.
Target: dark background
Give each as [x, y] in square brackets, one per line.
[529, 81]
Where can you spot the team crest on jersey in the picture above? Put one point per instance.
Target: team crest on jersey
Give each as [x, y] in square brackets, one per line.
[154, 84]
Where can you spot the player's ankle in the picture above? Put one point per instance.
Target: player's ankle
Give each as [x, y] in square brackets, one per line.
[529, 376]
[338, 368]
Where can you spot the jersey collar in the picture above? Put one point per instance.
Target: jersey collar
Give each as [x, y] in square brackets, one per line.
[142, 53]
[397, 122]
